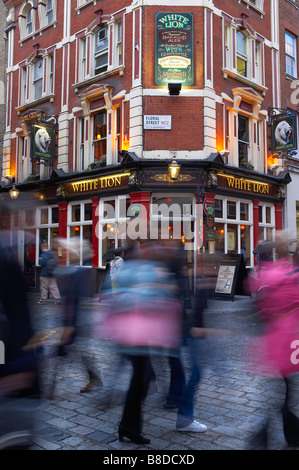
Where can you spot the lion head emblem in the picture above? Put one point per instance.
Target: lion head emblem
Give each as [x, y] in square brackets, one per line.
[42, 140]
[283, 133]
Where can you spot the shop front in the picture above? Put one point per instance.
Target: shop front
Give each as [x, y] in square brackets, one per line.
[209, 208]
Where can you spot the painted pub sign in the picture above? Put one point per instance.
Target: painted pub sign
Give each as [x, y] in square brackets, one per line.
[174, 49]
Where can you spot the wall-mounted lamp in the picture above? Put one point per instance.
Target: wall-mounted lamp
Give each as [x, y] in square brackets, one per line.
[14, 192]
[174, 88]
[174, 169]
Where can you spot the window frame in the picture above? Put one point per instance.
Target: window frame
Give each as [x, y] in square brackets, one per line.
[101, 52]
[293, 57]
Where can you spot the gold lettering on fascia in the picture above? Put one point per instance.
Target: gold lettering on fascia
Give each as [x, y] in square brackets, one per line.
[105, 182]
[247, 185]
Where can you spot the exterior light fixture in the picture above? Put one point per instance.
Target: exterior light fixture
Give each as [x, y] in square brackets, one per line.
[14, 192]
[174, 169]
[174, 88]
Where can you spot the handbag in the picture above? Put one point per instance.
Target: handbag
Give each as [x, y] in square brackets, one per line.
[156, 324]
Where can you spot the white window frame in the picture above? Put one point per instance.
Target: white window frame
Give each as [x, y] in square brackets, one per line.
[254, 67]
[37, 79]
[240, 55]
[104, 138]
[238, 222]
[81, 223]
[101, 51]
[291, 56]
[50, 12]
[117, 219]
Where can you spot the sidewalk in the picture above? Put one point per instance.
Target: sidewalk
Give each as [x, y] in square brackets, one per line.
[230, 401]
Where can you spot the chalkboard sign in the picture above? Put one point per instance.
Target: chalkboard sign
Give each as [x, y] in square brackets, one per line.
[231, 275]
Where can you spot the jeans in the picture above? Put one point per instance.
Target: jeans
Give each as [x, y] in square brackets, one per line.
[186, 403]
[177, 380]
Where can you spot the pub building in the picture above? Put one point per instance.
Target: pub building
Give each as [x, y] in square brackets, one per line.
[211, 207]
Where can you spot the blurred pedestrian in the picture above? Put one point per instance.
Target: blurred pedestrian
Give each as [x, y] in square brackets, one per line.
[75, 284]
[19, 374]
[48, 285]
[276, 290]
[143, 319]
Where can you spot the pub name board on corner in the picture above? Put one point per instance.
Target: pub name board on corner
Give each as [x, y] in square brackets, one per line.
[97, 184]
[246, 185]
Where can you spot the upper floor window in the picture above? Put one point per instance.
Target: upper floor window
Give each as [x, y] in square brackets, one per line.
[290, 51]
[118, 43]
[49, 12]
[29, 25]
[38, 79]
[243, 140]
[101, 51]
[242, 55]
[100, 137]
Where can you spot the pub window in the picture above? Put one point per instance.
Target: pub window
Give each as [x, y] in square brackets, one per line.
[81, 144]
[243, 140]
[80, 225]
[113, 223]
[118, 43]
[49, 12]
[100, 137]
[29, 24]
[234, 228]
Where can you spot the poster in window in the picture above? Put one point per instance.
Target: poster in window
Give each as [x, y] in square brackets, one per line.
[284, 134]
[174, 49]
[43, 141]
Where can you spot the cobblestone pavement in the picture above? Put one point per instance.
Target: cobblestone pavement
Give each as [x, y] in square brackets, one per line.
[230, 400]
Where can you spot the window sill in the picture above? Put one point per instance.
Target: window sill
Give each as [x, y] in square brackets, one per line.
[38, 31]
[43, 99]
[254, 7]
[228, 73]
[79, 8]
[100, 76]
[290, 77]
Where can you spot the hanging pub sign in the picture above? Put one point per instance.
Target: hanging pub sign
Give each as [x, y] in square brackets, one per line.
[283, 132]
[43, 141]
[174, 49]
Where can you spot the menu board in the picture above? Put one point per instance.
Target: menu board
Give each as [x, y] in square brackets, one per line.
[231, 274]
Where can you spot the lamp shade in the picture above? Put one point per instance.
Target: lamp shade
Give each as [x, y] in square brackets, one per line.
[174, 169]
[14, 192]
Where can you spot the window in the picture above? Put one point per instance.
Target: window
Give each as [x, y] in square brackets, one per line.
[99, 137]
[242, 54]
[80, 225]
[51, 74]
[25, 84]
[82, 59]
[29, 25]
[290, 49]
[101, 51]
[118, 43]
[49, 12]
[37, 79]
[81, 146]
[113, 223]
[243, 140]
[234, 228]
